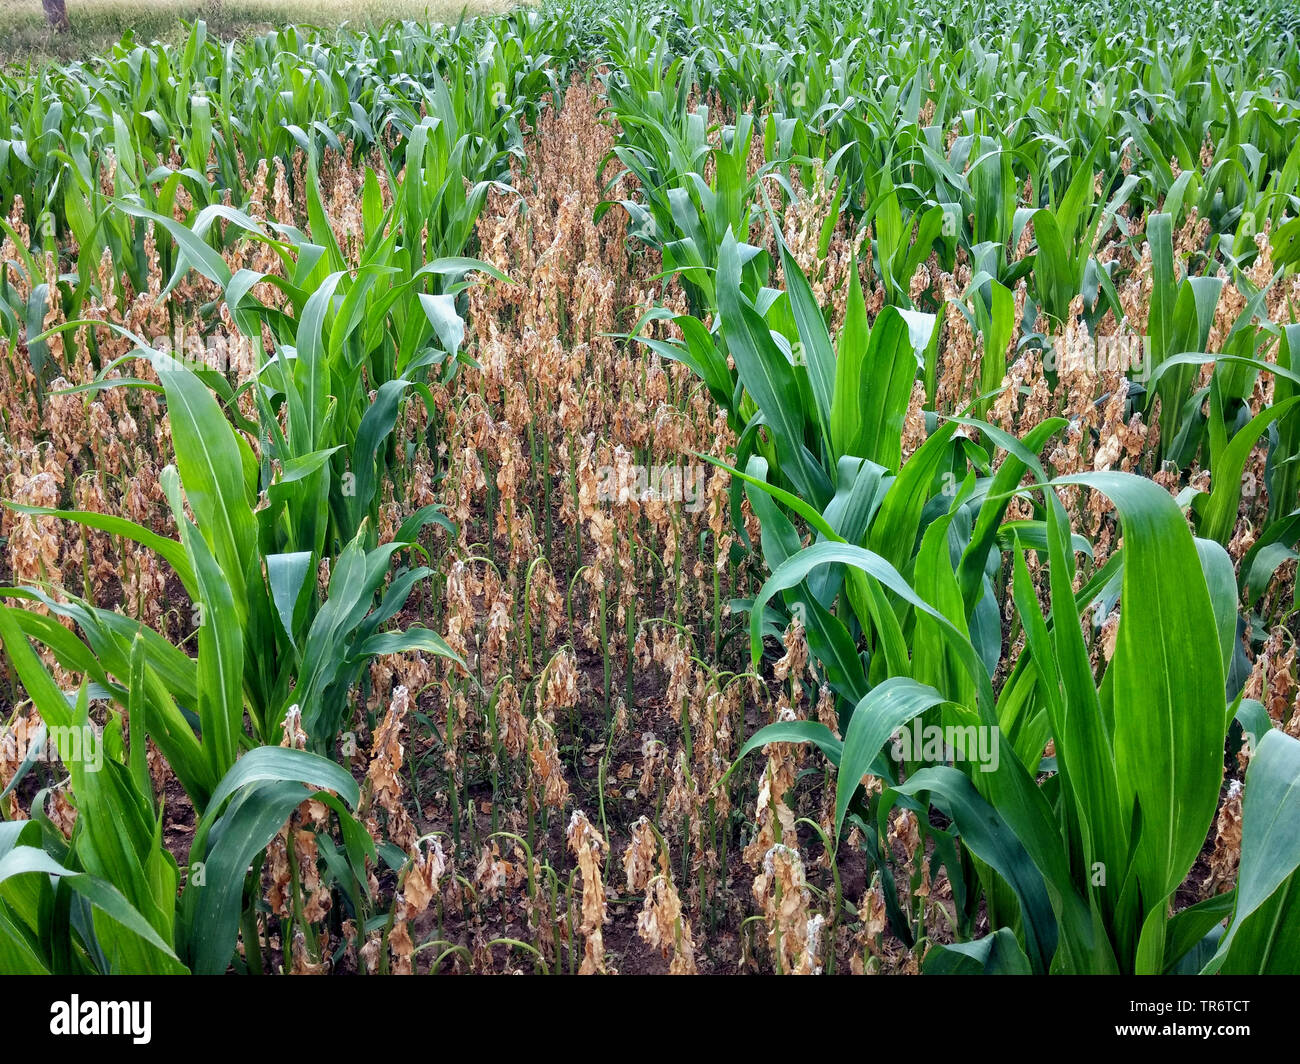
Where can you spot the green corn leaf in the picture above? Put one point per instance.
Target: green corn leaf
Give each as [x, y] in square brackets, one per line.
[995, 954]
[877, 717]
[819, 356]
[154, 957]
[1264, 935]
[1168, 705]
[795, 731]
[848, 426]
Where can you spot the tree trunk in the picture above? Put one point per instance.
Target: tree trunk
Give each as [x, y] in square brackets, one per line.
[57, 12]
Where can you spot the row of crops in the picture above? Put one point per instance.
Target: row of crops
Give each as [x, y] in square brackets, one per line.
[656, 487]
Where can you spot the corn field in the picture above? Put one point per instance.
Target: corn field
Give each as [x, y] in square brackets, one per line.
[656, 486]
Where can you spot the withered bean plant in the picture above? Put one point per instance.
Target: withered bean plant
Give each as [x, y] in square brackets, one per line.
[849, 474]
